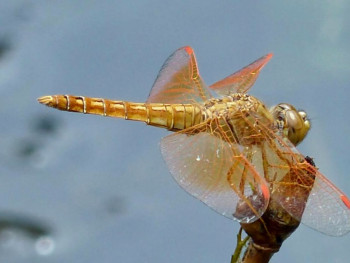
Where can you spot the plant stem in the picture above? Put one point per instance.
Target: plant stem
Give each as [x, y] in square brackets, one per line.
[240, 244]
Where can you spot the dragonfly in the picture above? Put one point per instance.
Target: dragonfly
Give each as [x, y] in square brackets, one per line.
[230, 150]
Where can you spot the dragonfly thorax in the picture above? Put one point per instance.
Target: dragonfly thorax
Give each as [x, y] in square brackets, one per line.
[228, 105]
[242, 114]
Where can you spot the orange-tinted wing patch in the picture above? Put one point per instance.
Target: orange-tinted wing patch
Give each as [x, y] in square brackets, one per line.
[179, 81]
[242, 80]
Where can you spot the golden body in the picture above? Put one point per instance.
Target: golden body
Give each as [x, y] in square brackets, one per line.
[232, 153]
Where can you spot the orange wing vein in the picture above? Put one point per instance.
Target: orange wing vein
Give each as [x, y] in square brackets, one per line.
[208, 164]
[301, 189]
[242, 80]
[179, 81]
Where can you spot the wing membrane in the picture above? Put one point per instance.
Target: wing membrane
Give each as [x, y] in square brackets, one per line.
[179, 81]
[242, 80]
[223, 167]
[327, 209]
[302, 190]
[210, 166]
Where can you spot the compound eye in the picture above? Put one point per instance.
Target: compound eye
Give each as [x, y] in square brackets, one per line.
[303, 115]
[293, 119]
[285, 106]
[307, 123]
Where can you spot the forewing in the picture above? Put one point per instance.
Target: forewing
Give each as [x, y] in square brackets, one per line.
[242, 80]
[210, 166]
[179, 81]
[327, 209]
[301, 189]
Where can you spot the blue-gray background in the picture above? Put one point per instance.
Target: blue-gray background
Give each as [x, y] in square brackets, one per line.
[96, 189]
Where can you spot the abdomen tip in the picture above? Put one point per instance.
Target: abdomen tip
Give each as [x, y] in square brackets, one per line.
[46, 100]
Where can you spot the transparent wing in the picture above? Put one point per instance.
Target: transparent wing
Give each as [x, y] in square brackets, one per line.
[179, 81]
[301, 189]
[206, 161]
[327, 209]
[242, 80]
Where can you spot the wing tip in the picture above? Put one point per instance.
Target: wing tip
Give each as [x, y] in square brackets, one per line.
[262, 61]
[269, 55]
[265, 191]
[188, 49]
[345, 200]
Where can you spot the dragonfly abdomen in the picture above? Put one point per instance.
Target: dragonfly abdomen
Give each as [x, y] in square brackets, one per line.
[85, 105]
[170, 116]
[174, 117]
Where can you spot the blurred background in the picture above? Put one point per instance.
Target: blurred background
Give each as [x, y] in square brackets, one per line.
[78, 188]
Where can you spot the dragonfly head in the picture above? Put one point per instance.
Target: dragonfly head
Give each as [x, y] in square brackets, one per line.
[293, 124]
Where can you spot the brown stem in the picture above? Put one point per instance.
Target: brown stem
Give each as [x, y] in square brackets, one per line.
[256, 254]
[276, 224]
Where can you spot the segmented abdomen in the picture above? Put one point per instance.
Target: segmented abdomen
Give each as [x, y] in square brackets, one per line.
[171, 116]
